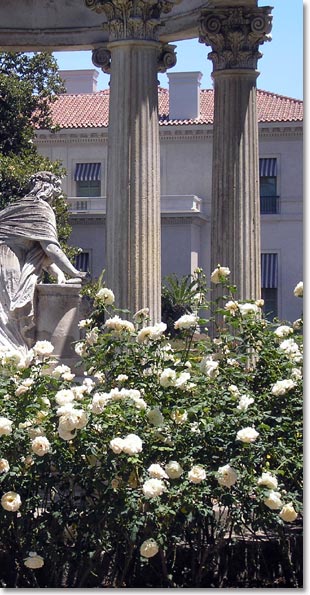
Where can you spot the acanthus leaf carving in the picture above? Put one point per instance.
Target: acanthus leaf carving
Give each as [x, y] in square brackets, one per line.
[234, 35]
[132, 19]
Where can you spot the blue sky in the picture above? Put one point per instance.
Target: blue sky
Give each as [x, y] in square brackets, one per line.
[281, 66]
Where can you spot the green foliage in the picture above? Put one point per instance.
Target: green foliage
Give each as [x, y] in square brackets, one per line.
[87, 505]
[29, 84]
[181, 295]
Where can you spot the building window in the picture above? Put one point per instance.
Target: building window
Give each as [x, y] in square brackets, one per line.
[88, 179]
[82, 262]
[269, 200]
[269, 282]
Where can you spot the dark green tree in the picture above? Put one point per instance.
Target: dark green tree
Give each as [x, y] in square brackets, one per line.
[29, 84]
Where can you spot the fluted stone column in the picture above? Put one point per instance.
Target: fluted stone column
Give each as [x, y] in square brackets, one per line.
[235, 35]
[133, 56]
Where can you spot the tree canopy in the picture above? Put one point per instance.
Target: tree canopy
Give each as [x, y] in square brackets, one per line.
[29, 84]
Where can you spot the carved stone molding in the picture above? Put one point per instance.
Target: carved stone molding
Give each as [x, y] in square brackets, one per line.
[235, 35]
[132, 19]
[167, 58]
[101, 58]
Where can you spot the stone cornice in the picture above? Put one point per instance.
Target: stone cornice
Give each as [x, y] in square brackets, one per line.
[184, 218]
[235, 35]
[192, 133]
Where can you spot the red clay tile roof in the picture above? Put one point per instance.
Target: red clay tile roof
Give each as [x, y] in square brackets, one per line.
[92, 110]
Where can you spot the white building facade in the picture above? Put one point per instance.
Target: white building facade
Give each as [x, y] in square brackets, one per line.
[185, 124]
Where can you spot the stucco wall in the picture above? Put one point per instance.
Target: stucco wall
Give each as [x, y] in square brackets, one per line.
[186, 169]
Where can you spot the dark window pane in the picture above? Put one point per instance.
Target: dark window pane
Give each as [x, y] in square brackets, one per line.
[88, 188]
[270, 297]
[268, 186]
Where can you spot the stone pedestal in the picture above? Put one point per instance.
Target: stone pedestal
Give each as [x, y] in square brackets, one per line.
[57, 313]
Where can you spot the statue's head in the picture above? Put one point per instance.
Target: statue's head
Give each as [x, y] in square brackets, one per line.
[45, 185]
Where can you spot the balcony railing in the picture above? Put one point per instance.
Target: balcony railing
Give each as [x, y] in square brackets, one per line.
[169, 204]
[269, 205]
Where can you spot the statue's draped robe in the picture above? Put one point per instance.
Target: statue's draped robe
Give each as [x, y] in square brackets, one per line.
[23, 225]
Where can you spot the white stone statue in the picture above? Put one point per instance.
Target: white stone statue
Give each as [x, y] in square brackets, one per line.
[28, 246]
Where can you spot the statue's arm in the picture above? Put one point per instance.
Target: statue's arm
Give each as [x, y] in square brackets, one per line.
[54, 270]
[58, 257]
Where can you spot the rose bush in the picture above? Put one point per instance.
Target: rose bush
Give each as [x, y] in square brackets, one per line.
[153, 452]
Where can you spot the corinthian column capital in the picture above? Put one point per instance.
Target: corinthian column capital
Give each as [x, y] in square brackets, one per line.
[132, 19]
[235, 35]
[101, 58]
[167, 57]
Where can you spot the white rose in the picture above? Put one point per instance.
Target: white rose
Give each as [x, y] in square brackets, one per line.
[283, 331]
[13, 357]
[24, 386]
[248, 310]
[197, 474]
[149, 548]
[80, 348]
[34, 561]
[11, 501]
[119, 325]
[92, 336]
[117, 445]
[299, 289]
[5, 426]
[273, 500]
[155, 470]
[297, 324]
[65, 434]
[155, 417]
[72, 420]
[268, 480]
[140, 315]
[167, 377]
[186, 321]
[43, 348]
[290, 347]
[296, 374]
[282, 386]
[84, 323]
[152, 333]
[40, 446]
[64, 396]
[231, 307]
[209, 366]
[182, 380]
[233, 389]
[247, 435]
[220, 274]
[4, 466]
[132, 444]
[122, 378]
[99, 402]
[245, 402]
[179, 417]
[288, 513]
[88, 385]
[60, 370]
[227, 476]
[67, 408]
[153, 488]
[174, 470]
[106, 296]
